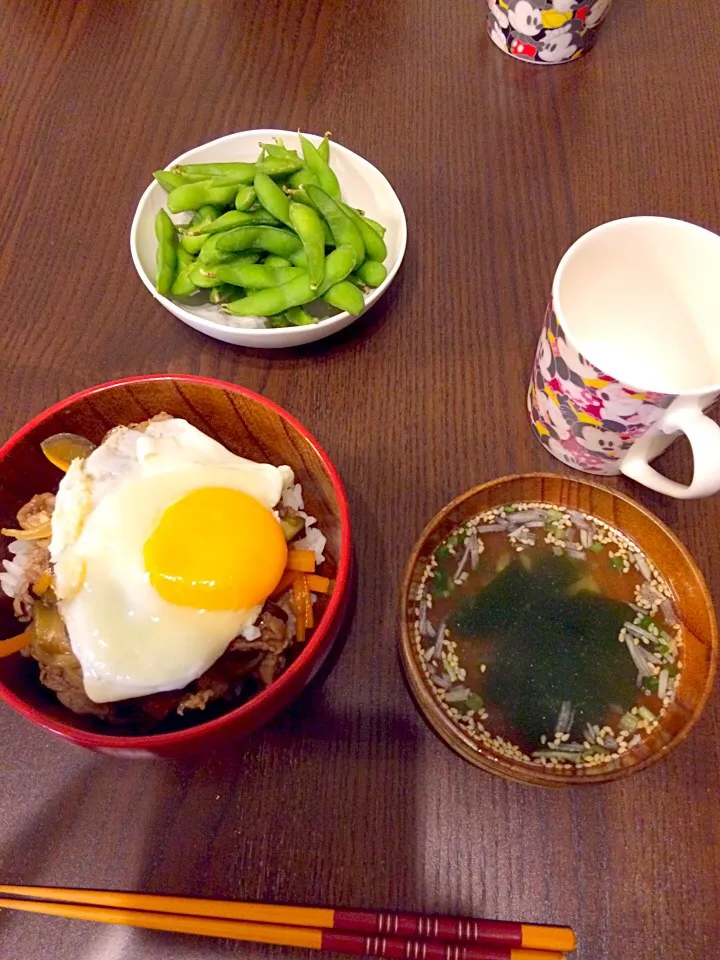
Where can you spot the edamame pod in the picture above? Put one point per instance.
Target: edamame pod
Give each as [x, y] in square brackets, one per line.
[344, 231]
[315, 163]
[253, 275]
[166, 254]
[308, 226]
[168, 180]
[245, 197]
[272, 239]
[190, 196]
[230, 220]
[371, 273]
[204, 214]
[345, 296]
[183, 285]
[265, 303]
[272, 198]
[374, 244]
[241, 172]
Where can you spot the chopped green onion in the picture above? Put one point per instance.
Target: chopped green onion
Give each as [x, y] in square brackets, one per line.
[646, 714]
[597, 547]
[628, 722]
[475, 702]
[441, 586]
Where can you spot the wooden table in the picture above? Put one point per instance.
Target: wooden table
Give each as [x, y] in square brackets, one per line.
[349, 799]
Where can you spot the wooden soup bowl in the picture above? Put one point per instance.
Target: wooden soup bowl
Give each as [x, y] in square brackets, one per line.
[691, 600]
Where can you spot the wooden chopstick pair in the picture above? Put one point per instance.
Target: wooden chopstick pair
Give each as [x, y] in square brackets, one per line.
[359, 932]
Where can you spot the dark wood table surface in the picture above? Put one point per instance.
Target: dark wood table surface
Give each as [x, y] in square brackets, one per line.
[349, 799]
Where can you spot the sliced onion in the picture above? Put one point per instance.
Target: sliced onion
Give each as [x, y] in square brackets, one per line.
[62, 448]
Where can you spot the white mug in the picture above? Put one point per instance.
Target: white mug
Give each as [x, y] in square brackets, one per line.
[629, 355]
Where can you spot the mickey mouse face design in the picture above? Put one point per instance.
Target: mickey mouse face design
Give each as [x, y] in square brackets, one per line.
[557, 45]
[552, 417]
[606, 442]
[497, 35]
[545, 359]
[597, 12]
[499, 15]
[525, 16]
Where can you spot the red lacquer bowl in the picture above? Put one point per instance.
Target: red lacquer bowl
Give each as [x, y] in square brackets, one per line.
[248, 425]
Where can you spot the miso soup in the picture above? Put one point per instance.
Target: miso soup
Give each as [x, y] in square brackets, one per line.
[548, 636]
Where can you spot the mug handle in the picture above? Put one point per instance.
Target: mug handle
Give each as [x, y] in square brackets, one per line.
[704, 436]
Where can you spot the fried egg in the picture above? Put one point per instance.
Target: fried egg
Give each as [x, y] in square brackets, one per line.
[165, 546]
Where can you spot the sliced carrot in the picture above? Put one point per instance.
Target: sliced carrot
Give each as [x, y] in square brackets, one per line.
[42, 584]
[285, 582]
[302, 560]
[318, 584]
[16, 643]
[309, 619]
[301, 596]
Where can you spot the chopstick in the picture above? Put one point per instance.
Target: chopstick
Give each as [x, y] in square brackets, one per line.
[404, 925]
[311, 938]
[344, 931]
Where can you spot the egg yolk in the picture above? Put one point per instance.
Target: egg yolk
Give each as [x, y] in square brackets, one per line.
[216, 549]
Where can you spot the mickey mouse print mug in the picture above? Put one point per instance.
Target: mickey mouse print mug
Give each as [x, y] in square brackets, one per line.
[629, 354]
[545, 31]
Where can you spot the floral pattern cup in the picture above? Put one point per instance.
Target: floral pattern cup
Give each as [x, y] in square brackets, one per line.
[629, 353]
[545, 31]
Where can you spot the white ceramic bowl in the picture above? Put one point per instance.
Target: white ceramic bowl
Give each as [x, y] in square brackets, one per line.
[362, 186]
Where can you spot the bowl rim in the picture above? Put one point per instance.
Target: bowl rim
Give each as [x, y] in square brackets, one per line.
[486, 759]
[312, 647]
[260, 333]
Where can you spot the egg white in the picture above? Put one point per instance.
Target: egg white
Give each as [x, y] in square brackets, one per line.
[130, 641]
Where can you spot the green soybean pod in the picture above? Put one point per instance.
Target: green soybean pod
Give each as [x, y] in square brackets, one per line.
[374, 244]
[278, 166]
[224, 293]
[245, 197]
[168, 180]
[301, 177]
[345, 296]
[296, 292]
[372, 273]
[201, 279]
[271, 239]
[343, 229]
[273, 260]
[211, 254]
[230, 220]
[255, 276]
[315, 163]
[281, 320]
[308, 226]
[190, 196]
[324, 148]
[166, 254]
[279, 151]
[242, 172]
[272, 197]
[377, 227]
[299, 317]
[183, 285]
[205, 214]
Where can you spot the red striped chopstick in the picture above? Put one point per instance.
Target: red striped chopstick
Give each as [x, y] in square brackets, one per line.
[387, 933]
[390, 948]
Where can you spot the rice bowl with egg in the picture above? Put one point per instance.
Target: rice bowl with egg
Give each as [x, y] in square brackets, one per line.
[191, 648]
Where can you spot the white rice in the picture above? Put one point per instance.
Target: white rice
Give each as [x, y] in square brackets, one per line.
[12, 575]
[292, 499]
